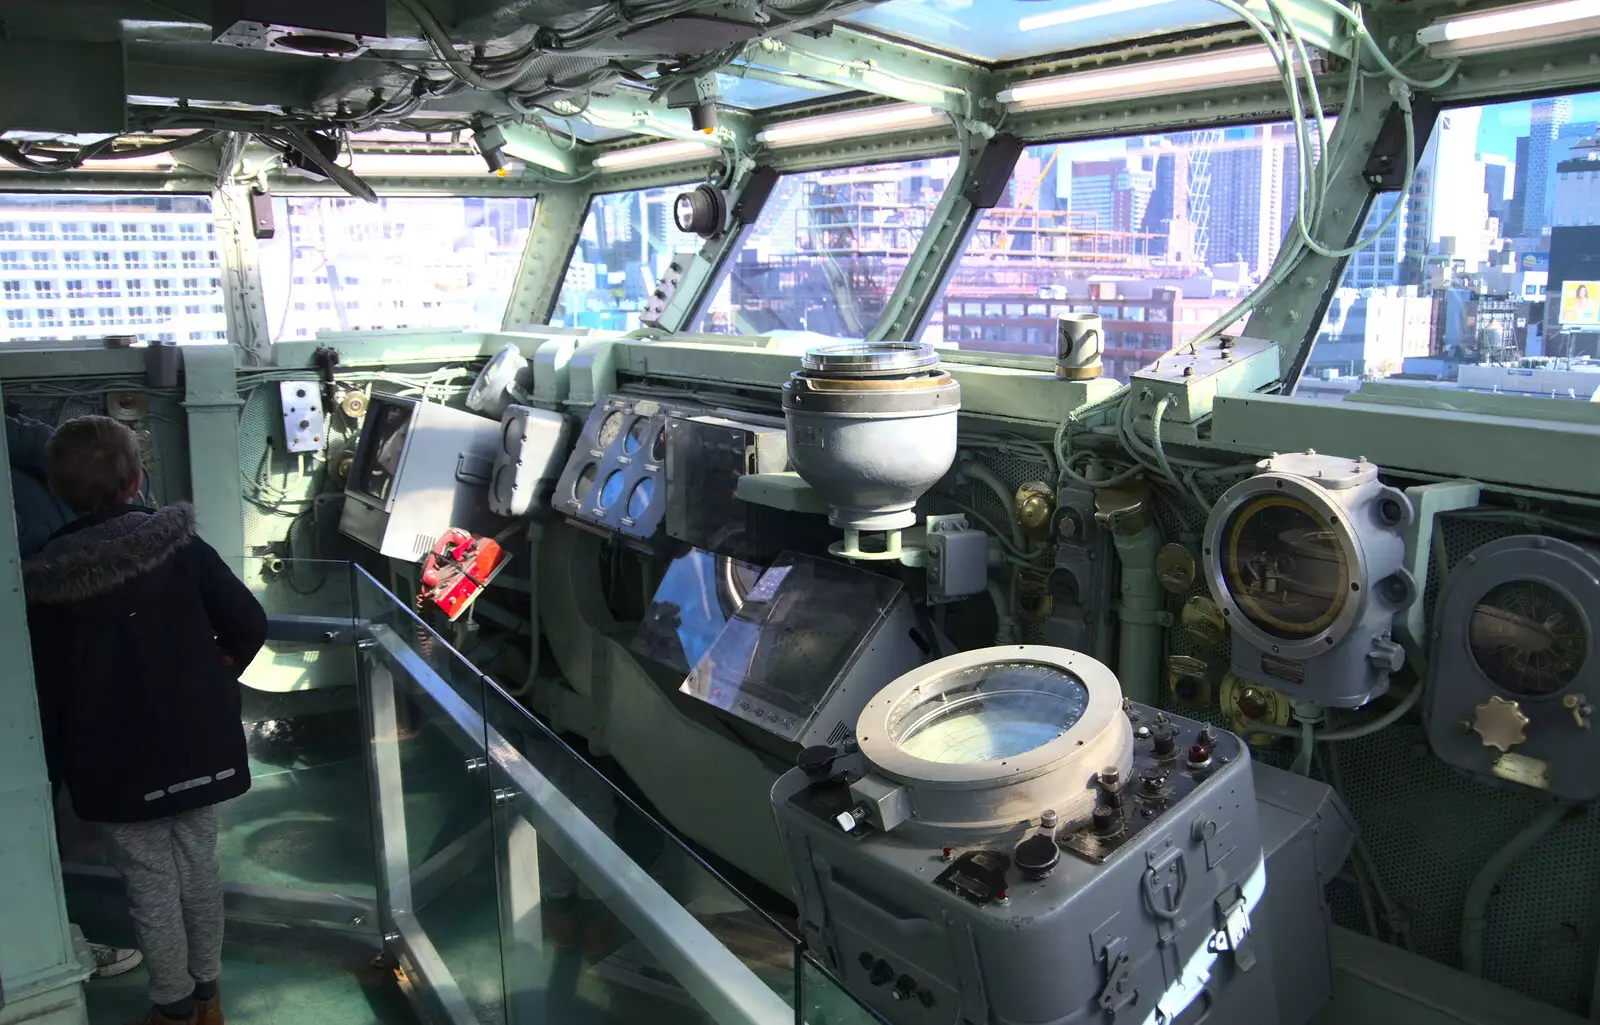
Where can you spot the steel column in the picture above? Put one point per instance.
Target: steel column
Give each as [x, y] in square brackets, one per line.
[211, 399]
[37, 955]
[557, 219]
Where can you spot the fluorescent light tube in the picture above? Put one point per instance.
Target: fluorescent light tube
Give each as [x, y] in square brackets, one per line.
[417, 165]
[1151, 78]
[899, 116]
[154, 162]
[1069, 15]
[1507, 28]
[654, 154]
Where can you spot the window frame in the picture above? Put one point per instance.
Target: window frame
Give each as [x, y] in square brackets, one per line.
[729, 254]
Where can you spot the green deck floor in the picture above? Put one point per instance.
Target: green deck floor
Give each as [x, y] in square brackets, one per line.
[305, 827]
[270, 976]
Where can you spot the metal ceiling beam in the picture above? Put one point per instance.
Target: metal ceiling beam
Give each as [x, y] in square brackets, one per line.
[630, 111]
[854, 60]
[534, 145]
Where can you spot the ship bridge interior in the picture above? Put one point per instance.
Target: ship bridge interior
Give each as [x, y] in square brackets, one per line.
[937, 512]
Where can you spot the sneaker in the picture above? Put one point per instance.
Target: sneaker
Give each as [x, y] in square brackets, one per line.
[110, 961]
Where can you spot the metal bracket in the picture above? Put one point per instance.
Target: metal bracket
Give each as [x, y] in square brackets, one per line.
[1234, 934]
[1118, 992]
[1386, 163]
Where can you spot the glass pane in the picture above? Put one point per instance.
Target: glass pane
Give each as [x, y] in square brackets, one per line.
[627, 241]
[342, 264]
[432, 790]
[825, 1001]
[569, 954]
[1158, 234]
[305, 823]
[741, 90]
[994, 30]
[828, 250]
[1484, 279]
[84, 266]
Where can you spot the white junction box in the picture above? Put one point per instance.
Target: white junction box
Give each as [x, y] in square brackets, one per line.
[304, 424]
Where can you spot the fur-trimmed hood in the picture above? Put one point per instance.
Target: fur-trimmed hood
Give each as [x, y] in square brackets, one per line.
[96, 556]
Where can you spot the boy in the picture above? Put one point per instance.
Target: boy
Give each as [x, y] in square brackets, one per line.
[139, 633]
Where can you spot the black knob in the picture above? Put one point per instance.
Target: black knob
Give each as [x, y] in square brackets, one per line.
[881, 973]
[926, 996]
[1153, 782]
[1036, 856]
[817, 762]
[866, 960]
[1166, 741]
[1106, 822]
[905, 988]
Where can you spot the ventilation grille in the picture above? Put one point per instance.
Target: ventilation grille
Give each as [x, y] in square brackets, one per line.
[840, 732]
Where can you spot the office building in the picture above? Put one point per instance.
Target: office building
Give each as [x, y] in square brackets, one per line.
[89, 266]
[1546, 120]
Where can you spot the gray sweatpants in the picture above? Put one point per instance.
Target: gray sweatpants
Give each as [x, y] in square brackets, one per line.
[175, 895]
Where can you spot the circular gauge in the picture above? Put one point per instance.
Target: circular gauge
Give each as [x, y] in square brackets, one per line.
[610, 427]
[1528, 638]
[993, 711]
[610, 490]
[584, 484]
[639, 500]
[637, 435]
[1284, 565]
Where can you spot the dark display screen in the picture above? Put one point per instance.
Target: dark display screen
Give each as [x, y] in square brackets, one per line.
[387, 427]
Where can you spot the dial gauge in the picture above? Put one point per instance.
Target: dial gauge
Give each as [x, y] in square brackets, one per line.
[1528, 638]
[1284, 565]
[610, 427]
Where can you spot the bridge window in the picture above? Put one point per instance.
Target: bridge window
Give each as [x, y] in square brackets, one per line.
[828, 250]
[1485, 279]
[324, 269]
[71, 216]
[627, 242]
[1163, 230]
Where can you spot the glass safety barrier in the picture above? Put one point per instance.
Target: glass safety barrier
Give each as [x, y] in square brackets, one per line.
[399, 793]
[519, 884]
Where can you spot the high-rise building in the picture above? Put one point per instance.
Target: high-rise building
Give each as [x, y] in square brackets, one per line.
[1379, 264]
[1094, 187]
[1577, 190]
[1284, 136]
[1496, 176]
[1546, 120]
[1166, 216]
[89, 266]
[1519, 190]
[1447, 220]
[1131, 198]
[1246, 199]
